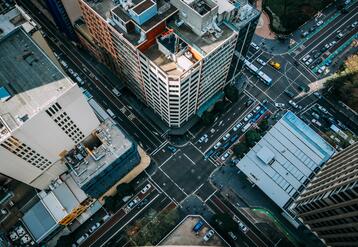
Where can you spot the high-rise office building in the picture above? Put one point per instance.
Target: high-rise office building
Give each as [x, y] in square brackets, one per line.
[42, 112]
[329, 204]
[175, 56]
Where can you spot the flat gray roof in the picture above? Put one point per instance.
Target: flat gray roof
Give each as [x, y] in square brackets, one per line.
[113, 145]
[285, 159]
[29, 76]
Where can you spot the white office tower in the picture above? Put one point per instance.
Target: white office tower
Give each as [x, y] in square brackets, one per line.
[176, 56]
[42, 112]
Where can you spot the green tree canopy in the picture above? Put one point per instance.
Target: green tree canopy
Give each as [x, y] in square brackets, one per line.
[231, 93]
[124, 189]
[240, 149]
[252, 136]
[65, 241]
[208, 117]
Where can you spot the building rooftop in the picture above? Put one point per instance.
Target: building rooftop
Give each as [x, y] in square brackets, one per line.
[99, 150]
[285, 159]
[29, 78]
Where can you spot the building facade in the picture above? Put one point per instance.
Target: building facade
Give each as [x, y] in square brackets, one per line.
[175, 56]
[61, 18]
[329, 204]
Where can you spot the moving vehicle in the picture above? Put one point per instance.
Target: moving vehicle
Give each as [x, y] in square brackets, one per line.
[322, 109]
[319, 23]
[208, 235]
[205, 136]
[275, 64]
[232, 235]
[260, 61]
[146, 188]
[289, 93]
[198, 226]
[294, 104]
[251, 67]
[279, 105]
[110, 112]
[316, 122]
[116, 92]
[317, 94]
[265, 78]
[305, 34]
[256, 47]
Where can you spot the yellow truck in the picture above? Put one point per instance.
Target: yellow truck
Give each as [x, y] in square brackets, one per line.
[275, 64]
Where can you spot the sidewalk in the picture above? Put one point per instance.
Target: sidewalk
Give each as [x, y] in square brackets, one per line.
[228, 178]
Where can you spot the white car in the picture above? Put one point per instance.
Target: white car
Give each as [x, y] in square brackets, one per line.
[247, 118]
[315, 115]
[217, 145]
[208, 235]
[14, 236]
[294, 104]
[309, 61]
[319, 23]
[322, 109]
[305, 58]
[225, 156]
[146, 188]
[94, 227]
[316, 122]
[260, 61]
[256, 47]
[226, 137]
[203, 138]
[20, 231]
[279, 105]
[354, 24]
[131, 204]
[25, 239]
[317, 94]
[232, 235]
[257, 108]
[243, 227]
[321, 69]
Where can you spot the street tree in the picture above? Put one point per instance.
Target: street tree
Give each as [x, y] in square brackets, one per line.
[231, 93]
[252, 136]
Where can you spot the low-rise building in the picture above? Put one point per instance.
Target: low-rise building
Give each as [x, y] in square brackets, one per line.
[287, 157]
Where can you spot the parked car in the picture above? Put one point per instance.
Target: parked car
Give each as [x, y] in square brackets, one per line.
[354, 24]
[217, 145]
[305, 34]
[321, 69]
[257, 108]
[208, 235]
[225, 156]
[309, 61]
[248, 117]
[131, 204]
[319, 23]
[289, 93]
[146, 188]
[94, 227]
[305, 58]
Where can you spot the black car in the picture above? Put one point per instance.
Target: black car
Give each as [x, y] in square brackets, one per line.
[317, 55]
[249, 102]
